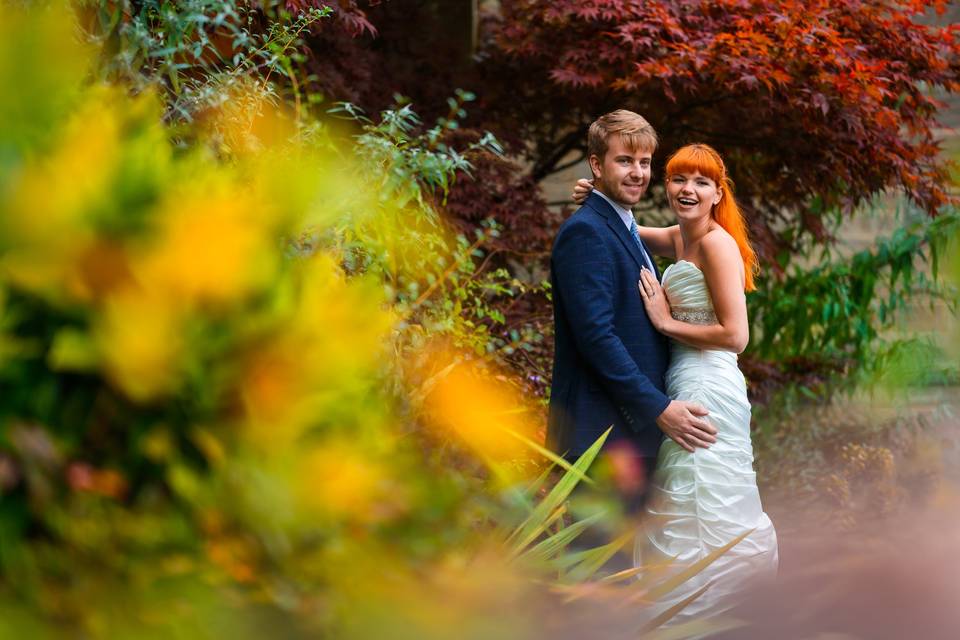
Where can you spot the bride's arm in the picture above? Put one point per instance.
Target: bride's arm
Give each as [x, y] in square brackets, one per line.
[723, 269]
[662, 241]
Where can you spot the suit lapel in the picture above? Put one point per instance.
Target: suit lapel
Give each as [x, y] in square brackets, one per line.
[620, 230]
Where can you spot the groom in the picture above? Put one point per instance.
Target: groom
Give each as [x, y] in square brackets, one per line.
[609, 361]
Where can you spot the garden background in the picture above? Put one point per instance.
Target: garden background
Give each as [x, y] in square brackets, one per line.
[275, 337]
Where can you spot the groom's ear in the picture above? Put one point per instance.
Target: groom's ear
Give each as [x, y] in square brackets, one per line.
[595, 165]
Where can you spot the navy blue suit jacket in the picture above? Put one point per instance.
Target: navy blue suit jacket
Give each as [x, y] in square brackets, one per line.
[609, 361]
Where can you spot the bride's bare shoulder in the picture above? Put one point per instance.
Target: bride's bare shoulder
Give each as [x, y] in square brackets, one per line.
[717, 240]
[719, 250]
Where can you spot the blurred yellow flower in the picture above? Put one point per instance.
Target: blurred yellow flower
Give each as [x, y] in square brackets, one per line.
[342, 482]
[210, 245]
[327, 349]
[140, 340]
[50, 223]
[485, 412]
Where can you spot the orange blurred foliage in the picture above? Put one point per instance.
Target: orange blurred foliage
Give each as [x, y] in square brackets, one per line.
[479, 408]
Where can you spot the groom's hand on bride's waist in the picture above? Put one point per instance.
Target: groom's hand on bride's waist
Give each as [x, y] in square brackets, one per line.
[686, 424]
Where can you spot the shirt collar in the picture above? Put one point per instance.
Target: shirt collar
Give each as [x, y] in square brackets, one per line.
[625, 214]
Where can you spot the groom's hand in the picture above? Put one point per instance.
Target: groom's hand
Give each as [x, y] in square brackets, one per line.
[685, 423]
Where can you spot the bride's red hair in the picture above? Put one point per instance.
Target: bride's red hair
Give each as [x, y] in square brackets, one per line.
[705, 160]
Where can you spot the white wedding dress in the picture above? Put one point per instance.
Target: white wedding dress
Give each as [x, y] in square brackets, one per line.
[701, 501]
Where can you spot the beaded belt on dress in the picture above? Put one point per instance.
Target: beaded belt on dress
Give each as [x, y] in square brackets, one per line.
[694, 316]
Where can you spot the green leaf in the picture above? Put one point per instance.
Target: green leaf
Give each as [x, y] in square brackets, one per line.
[73, 350]
[534, 487]
[665, 587]
[674, 610]
[594, 559]
[554, 517]
[551, 456]
[561, 491]
[695, 629]
[556, 543]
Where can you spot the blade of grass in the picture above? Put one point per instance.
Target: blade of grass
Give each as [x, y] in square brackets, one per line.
[549, 455]
[674, 610]
[598, 557]
[523, 544]
[564, 562]
[696, 629]
[668, 585]
[611, 595]
[560, 491]
[558, 541]
[651, 574]
[534, 488]
[626, 574]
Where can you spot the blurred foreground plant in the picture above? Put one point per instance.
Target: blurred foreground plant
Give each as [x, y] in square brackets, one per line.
[189, 407]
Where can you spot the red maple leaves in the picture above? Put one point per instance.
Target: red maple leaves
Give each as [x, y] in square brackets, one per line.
[813, 102]
[816, 104]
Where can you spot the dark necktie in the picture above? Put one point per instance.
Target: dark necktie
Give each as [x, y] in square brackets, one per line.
[636, 238]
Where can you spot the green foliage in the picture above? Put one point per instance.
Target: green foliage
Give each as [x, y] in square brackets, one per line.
[436, 279]
[911, 363]
[414, 160]
[201, 52]
[839, 310]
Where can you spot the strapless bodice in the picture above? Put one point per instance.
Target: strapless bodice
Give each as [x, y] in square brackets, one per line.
[686, 289]
[687, 293]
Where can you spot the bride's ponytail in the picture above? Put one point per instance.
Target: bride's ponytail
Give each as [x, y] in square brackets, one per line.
[728, 215]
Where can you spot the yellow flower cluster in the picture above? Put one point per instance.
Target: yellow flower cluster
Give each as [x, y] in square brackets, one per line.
[176, 273]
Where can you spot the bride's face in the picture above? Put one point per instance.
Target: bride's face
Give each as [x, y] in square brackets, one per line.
[692, 195]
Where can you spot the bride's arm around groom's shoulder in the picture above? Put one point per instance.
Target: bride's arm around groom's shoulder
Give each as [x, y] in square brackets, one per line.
[723, 271]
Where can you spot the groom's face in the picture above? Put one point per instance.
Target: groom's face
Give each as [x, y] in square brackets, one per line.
[624, 173]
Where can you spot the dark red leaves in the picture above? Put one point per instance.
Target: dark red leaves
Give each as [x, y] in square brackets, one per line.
[806, 98]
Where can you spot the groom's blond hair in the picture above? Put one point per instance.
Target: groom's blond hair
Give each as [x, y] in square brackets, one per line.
[632, 128]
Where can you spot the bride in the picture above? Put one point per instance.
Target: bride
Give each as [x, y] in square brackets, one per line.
[702, 500]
